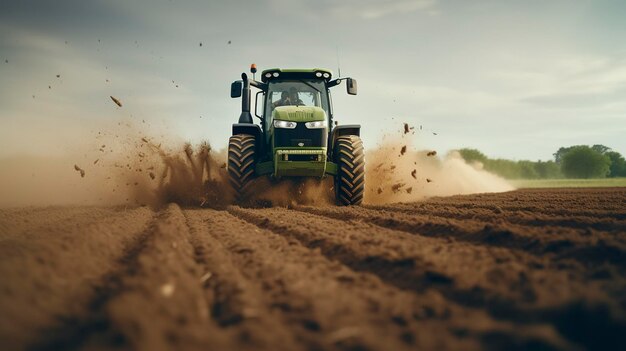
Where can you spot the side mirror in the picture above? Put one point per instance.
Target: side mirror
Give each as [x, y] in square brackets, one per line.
[351, 86]
[235, 89]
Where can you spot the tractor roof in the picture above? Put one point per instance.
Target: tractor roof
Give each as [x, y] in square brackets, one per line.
[295, 73]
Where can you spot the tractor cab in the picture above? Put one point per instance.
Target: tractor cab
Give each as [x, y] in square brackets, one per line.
[295, 136]
[296, 101]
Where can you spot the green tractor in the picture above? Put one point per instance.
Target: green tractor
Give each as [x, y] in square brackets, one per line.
[295, 136]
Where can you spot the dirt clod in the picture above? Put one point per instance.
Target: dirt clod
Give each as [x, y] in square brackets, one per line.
[396, 187]
[78, 169]
[116, 101]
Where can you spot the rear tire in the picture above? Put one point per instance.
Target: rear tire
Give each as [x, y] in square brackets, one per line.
[350, 178]
[241, 163]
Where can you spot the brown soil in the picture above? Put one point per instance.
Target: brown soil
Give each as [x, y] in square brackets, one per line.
[529, 269]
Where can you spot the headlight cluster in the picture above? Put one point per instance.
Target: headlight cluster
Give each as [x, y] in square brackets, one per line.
[284, 124]
[316, 124]
[292, 125]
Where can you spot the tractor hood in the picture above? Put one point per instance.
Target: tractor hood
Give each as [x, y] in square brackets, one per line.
[299, 113]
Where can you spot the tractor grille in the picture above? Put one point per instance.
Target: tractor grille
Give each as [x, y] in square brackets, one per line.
[300, 136]
[300, 115]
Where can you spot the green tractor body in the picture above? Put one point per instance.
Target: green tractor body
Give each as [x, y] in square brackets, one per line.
[295, 136]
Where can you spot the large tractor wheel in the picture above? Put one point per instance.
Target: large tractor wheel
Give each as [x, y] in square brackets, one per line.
[350, 179]
[241, 163]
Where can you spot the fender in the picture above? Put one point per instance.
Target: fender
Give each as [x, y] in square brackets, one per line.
[247, 128]
[348, 129]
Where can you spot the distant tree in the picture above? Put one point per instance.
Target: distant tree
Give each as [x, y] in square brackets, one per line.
[601, 148]
[618, 164]
[527, 170]
[558, 155]
[472, 155]
[548, 169]
[504, 168]
[582, 161]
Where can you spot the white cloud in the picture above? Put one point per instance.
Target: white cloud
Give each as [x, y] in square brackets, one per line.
[347, 9]
[377, 9]
[582, 82]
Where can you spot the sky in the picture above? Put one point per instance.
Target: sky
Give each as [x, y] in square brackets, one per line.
[514, 79]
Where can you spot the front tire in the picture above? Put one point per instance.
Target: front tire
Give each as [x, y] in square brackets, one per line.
[350, 178]
[241, 163]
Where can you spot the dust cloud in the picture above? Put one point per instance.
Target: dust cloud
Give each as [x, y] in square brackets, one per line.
[118, 165]
[123, 165]
[396, 172]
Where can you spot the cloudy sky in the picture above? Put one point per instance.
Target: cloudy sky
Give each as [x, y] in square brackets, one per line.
[515, 79]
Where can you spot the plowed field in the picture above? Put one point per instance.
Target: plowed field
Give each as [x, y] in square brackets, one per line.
[529, 269]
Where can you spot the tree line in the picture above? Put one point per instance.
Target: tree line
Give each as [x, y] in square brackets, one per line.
[577, 161]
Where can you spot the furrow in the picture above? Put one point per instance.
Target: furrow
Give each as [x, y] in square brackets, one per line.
[154, 301]
[313, 297]
[404, 262]
[160, 303]
[235, 302]
[558, 243]
[556, 209]
[48, 277]
[617, 228]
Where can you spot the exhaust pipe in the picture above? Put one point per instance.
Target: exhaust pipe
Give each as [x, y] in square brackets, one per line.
[245, 116]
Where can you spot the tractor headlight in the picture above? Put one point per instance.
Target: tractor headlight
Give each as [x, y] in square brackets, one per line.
[284, 124]
[316, 124]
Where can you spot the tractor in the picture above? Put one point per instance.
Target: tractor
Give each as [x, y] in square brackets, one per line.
[295, 136]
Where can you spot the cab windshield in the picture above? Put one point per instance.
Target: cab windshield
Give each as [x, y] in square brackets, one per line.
[296, 93]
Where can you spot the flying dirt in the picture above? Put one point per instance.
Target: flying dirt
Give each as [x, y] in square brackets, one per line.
[124, 165]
